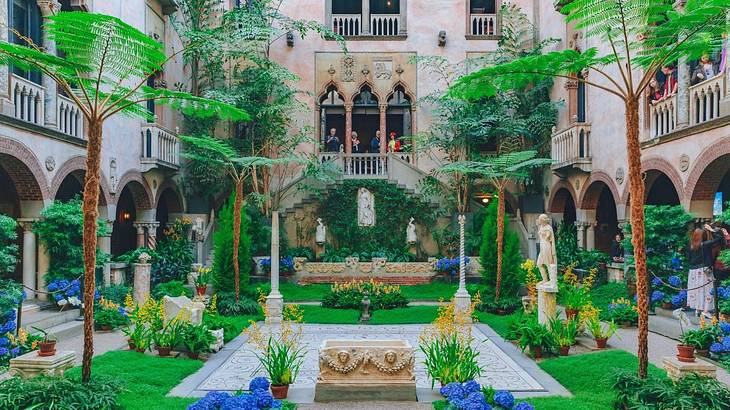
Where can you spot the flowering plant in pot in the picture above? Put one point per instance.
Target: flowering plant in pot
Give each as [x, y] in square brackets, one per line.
[168, 337]
[197, 339]
[599, 332]
[138, 337]
[47, 346]
[564, 333]
[623, 312]
[574, 293]
[202, 281]
[536, 336]
[109, 315]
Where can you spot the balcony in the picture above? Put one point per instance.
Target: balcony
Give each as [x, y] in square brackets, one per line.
[384, 24]
[365, 166]
[571, 149]
[369, 22]
[483, 25]
[704, 100]
[160, 148]
[70, 119]
[347, 25]
[28, 99]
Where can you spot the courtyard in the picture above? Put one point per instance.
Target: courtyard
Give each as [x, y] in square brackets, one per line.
[366, 204]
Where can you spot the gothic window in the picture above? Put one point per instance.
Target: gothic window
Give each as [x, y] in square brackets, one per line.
[25, 17]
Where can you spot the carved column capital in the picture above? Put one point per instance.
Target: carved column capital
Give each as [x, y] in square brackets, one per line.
[348, 107]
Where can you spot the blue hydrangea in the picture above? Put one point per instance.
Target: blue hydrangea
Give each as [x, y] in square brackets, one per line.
[675, 281]
[7, 327]
[263, 398]
[15, 351]
[471, 386]
[475, 401]
[723, 292]
[683, 294]
[4, 342]
[725, 327]
[717, 347]
[657, 295]
[456, 392]
[504, 399]
[276, 404]
[656, 281]
[259, 383]
[4, 351]
[677, 300]
[675, 263]
[524, 406]
[446, 390]
[244, 401]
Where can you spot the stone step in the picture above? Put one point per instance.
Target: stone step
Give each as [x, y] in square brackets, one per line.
[46, 319]
[67, 330]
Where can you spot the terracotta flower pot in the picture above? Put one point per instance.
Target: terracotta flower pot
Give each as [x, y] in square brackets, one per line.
[106, 328]
[601, 343]
[686, 353]
[703, 352]
[131, 345]
[280, 392]
[667, 305]
[201, 290]
[47, 348]
[164, 351]
[536, 351]
[564, 350]
[571, 313]
[193, 355]
[139, 350]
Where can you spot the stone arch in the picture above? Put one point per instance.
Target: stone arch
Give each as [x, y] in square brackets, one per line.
[556, 203]
[406, 89]
[168, 186]
[24, 170]
[659, 170]
[358, 90]
[707, 173]
[325, 90]
[139, 188]
[77, 165]
[592, 190]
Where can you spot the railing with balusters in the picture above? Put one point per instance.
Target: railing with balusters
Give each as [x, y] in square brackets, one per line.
[358, 165]
[704, 100]
[384, 24]
[483, 25]
[571, 145]
[70, 119]
[27, 99]
[159, 144]
[663, 116]
[347, 24]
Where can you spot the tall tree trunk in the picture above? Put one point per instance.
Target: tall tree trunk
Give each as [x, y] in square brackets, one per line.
[636, 189]
[237, 203]
[91, 215]
[500, 241]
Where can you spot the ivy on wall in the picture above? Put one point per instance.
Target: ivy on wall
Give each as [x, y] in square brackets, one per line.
[393, 209]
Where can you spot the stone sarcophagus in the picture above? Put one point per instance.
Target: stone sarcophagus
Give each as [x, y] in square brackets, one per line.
[366, 370]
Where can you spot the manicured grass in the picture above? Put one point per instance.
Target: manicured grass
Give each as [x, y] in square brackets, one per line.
[298, 293]
[241, 322]
[433, 291]
[588, 377]
[146, 379]
[318, 314]
[499, 324]
[407, 315]
[604, 294]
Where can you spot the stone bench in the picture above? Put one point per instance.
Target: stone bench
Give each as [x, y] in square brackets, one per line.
[31, 365]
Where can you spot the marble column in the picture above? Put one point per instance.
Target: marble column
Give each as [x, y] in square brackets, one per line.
[580, 229]
[152, 234]
[383, 129]
[348, 128]
[140, 234]
[365, 18]
[462, 299]
[105, 245]
[29, 257]
[44, 262]
[48, 9]
[5, 102]
[591, 236]
[683, 75]
[275, 301]
[142, 278]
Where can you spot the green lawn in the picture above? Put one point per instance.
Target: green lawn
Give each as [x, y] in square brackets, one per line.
[241, 322]
[147, 379]
[499, 324]
[604, 294]
[408, 315]
[300, 293]
[318, 314]
[588, 377]
[433, 291]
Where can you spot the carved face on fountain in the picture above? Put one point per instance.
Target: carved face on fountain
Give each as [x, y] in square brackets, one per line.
[390, 357]
[343, 356]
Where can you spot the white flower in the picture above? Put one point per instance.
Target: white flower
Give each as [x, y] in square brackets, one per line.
[62, 302]
[74, 301]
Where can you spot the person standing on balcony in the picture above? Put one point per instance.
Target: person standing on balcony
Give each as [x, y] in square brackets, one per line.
[355, 143]
[392, 142]
[375, 143]
[655, 91]
[704, 71]
[332, 143]
[670, 81]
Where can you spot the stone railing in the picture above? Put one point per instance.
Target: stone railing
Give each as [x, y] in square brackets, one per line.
[347, 24]
[704, 100]
[160, 146]
[370, 165]
[70, 119]
[571, 147]
[663, 117]
[483, 25]
[27, 99]
[384, 24]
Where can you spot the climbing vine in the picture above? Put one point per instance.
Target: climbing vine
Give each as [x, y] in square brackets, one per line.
[393, 208]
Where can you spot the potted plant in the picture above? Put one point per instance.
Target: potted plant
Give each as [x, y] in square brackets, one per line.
[201, 281]
[622, 311]
[167, 338]
[197, 339]
[686, 349]
[282, 359]
[564, 333]
[699, 340]
[138, 338]
[109, 315]
[47, 346]
[450, 358]
[600, 334]
[536, 336]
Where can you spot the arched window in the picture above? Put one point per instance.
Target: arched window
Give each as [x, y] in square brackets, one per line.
[398, 114]
[332, 113]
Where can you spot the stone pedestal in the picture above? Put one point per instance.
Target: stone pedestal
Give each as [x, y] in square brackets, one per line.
[118, 271]
[355, 370]
[142, 272]
[219, 340]
[462, 301]
[31, 365]
[676, 369]
[546, 302]
[615, 272]
[274, 308]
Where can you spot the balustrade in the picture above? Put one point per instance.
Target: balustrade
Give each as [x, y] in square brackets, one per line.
[160, 145]
[347, 24]
[704, 100]
[483, 24]
[384, 24]
[70, 119]
[663, 116]
[571, 145]
[27, 99]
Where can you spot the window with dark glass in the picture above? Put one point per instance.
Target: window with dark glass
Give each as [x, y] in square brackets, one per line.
[346, 7]
[581, 109]
[385, 6]
[483, 6]
[25, 17]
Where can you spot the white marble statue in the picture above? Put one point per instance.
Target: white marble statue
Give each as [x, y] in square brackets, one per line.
[365, 208]
[321, 236]
[547, 260]
[411, 237]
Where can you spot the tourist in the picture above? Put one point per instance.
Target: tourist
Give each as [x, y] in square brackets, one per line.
[670, 81]
[701, 260]
[332, 143]
[375, 143]
[355, 143]
[704, 71]
[655, 91]
[617, 249]
[391, 143]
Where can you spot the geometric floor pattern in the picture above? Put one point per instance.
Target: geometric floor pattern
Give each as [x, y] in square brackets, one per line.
[500, 371]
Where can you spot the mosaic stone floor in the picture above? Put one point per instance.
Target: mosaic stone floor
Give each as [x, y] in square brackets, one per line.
[500, 371]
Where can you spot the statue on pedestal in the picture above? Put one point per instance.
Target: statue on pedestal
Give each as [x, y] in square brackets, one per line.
[411, 236]
[365, 208]
[321, 236]
[547, 259]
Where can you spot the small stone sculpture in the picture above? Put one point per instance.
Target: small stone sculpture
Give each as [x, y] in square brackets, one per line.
[365, 208]
[547, 261]
[321, 236]
[411, 236]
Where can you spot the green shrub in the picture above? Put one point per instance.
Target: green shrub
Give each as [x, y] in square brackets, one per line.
[60, 231]
[174, 254]
[227, 305]
[223, 277]
[8, 246]
[60, 393]
[349, 296]
[215, 321]
[690, 392]
[392, 255]
[566, 245]
[300, 252]
[115, 293]
[173, 288]
[512, 275]
[666, 228]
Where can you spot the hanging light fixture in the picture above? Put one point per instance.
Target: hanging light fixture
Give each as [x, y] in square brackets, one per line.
[388, 3]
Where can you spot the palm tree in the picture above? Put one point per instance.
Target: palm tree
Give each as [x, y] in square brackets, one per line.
[104, 68]
[220, 154]
[641, 37]
[499, 170]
